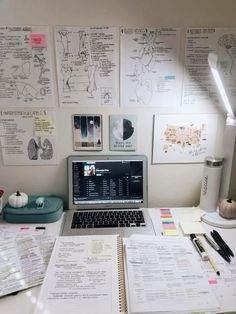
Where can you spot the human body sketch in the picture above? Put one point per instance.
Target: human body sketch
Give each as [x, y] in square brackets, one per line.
[149, 66]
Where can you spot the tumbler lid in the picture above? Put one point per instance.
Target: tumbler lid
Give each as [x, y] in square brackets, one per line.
[213, 161]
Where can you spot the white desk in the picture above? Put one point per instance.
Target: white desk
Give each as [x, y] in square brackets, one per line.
[24, 301]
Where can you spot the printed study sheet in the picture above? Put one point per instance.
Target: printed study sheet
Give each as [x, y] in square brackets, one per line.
[26, 71]
[87, 65]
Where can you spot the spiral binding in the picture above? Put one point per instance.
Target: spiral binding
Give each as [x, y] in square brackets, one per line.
[121, 275]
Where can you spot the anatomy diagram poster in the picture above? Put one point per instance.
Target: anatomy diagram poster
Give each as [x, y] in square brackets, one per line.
[26, 74]
[149, 68]
[87, 65]
[28, 137]
[199, 86]
[184, 138]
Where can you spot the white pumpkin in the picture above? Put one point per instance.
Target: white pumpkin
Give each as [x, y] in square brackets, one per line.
[18, 199]
[227, 208]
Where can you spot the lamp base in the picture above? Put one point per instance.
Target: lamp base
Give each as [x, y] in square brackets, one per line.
[214, 219]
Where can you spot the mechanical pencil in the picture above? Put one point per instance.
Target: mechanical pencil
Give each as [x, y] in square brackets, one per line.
[213, 266]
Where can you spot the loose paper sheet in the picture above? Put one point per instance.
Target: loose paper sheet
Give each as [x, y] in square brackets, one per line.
[23, 260]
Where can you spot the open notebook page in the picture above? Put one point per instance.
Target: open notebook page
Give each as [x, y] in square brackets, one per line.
[164, 275]
[82, 277]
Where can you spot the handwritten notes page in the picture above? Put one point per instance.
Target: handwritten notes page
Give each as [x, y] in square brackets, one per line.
[28, 137]
[26, 69]
[82, 277]
[163, 275]
[87, 65]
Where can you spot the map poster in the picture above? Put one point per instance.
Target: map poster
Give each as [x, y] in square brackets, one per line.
[87, 132]
[87, 65]
[28, 137]
[149, 67]
[26, 70]
[123, 129]
[184, 138]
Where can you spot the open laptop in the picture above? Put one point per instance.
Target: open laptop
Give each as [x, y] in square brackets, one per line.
[103, 191]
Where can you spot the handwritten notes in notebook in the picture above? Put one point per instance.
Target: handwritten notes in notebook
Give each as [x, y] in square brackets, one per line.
[160, 269]
[83, 276]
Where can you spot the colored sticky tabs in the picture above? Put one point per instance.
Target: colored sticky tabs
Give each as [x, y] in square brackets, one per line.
[167, 222]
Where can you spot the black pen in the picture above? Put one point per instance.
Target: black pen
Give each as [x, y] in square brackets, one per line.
[219, 243]
[222, 243]
[217, 248]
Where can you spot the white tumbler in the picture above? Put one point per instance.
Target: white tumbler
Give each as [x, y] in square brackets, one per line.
[211, 184]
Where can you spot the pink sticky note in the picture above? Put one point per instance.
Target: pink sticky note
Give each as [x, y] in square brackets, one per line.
[37, 40]
[212, 281]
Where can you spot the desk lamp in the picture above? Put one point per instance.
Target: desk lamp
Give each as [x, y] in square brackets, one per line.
[228, 148]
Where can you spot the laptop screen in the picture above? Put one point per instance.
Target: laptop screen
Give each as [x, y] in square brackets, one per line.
[107, 182]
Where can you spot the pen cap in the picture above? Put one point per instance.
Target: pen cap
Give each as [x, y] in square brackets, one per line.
[210, 185]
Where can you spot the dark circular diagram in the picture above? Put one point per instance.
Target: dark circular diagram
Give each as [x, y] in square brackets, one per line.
[123, 129]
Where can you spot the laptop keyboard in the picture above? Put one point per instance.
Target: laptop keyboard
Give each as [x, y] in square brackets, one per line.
[108, 219]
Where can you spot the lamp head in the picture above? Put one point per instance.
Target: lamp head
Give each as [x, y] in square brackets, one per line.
[212, 61]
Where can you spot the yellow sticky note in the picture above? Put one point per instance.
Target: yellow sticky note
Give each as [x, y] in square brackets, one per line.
[189, 227]
[44, 126]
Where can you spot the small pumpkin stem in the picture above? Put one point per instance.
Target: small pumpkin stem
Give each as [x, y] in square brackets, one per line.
[18, 193]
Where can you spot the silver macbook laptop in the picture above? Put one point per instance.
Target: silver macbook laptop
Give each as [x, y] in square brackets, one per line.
[107, 195]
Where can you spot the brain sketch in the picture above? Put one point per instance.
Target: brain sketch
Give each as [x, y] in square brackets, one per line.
[227, 41]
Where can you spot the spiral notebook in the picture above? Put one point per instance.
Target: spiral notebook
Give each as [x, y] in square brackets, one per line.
[85, 275]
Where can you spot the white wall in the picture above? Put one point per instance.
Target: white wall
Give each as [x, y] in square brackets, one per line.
[169, 184]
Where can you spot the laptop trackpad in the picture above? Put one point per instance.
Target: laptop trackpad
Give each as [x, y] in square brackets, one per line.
[106, 231]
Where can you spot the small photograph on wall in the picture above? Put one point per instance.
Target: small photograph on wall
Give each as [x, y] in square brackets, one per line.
[123, 129]
[184, 138]
[87, 132]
